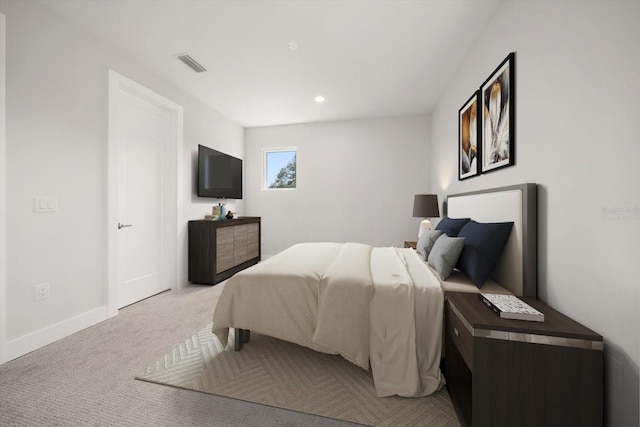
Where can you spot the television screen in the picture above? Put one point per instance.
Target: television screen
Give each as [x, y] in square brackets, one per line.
[219, 174]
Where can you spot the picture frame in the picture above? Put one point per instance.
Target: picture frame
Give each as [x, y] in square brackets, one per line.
[497, 102]
[470, 138]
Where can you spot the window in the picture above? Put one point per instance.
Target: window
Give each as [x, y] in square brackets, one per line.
[279, 165]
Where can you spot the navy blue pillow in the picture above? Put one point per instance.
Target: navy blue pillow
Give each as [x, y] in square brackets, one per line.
[451, 226]
[483, 244]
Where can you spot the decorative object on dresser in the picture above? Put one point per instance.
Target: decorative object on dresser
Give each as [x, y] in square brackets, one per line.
[219, 249]
[217, 212]
[497, 102]
[503, 372]
[425, 206]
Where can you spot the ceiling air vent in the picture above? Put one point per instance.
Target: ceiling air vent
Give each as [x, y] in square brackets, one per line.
[192, 63]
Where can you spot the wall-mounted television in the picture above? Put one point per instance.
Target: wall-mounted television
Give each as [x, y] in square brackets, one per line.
[219, 174]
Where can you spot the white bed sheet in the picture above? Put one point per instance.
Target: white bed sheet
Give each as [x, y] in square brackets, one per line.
[277, 297]
[406, 324]
[386, 314]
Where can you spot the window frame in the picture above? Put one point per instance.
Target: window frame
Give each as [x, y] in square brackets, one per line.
[265, 152]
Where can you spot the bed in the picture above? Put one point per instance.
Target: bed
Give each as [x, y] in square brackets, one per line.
[379, 308]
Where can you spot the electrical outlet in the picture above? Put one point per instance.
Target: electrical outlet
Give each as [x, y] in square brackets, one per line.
[42, 291]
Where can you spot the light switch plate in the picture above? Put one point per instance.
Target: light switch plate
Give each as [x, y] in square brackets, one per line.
[45, 204]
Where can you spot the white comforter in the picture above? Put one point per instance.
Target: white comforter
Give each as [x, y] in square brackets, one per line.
[378, 307]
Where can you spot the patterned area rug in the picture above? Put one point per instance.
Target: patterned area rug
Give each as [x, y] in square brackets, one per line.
[277, 373]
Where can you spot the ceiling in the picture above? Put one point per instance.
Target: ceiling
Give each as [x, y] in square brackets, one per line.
[367, 58]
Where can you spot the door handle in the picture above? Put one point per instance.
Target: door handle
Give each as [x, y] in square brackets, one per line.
[124, 225]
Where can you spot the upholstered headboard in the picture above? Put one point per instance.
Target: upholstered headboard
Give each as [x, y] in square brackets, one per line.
[517, 266]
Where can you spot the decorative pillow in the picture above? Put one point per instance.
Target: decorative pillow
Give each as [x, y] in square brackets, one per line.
[483, 245]
[445, 253]
[426, 241]
[451, 226]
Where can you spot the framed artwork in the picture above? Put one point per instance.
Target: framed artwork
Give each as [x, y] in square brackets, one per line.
[497, 102]
[469, 138]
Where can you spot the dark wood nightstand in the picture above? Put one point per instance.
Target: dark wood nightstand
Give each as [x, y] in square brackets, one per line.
[507, 373]
[408, 244]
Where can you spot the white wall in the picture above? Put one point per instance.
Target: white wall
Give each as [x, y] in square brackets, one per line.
[355, 181]
[577, 109]
[57, 86]
[3, 188]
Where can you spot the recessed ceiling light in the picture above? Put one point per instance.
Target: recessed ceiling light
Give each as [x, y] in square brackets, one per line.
[293, 45]
[319, 99]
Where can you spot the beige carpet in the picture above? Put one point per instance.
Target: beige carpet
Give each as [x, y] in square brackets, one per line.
[285, 375]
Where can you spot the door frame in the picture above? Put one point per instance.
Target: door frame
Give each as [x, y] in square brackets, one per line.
[117, 84]
[3, 194]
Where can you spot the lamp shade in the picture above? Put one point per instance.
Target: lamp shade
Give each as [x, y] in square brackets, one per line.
[426, 206]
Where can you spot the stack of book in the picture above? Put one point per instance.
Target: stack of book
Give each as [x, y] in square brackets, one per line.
[511, 307]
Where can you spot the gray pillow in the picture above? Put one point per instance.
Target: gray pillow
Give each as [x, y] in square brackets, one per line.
[426, 241]
[445, 253]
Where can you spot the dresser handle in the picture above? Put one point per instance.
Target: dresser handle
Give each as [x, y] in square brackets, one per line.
[456, 333]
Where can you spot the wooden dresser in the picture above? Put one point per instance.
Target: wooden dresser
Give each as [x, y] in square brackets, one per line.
[219, 249]
[508, 373]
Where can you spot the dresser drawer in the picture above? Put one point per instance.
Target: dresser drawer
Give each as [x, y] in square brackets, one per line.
[224, 249]
[459, 333]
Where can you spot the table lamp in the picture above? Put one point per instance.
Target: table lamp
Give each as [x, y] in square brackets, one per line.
[425, 206]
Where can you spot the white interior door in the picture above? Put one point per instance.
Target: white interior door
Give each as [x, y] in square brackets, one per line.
[144, 132]
[144, 137]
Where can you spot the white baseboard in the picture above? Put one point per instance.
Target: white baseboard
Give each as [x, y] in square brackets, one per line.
[38, 339]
